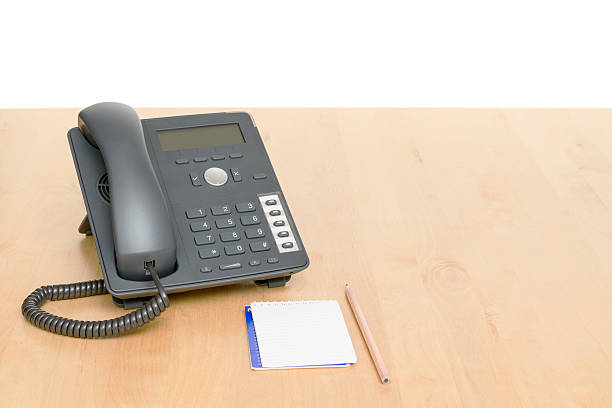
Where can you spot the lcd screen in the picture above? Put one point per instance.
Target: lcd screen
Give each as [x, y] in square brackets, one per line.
[203, 136]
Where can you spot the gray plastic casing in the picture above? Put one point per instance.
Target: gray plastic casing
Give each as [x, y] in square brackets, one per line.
[181, 195]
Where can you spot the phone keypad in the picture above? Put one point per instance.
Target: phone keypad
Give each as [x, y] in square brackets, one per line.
[223, 240]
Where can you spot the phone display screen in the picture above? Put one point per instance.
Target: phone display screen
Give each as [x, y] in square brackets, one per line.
[201, 136]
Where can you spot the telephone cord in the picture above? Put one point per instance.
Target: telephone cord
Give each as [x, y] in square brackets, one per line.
[90, 329]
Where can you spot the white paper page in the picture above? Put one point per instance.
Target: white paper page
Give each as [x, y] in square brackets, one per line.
[302, 333]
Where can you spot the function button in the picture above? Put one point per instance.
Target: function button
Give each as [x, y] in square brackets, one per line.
[221, 210]
[181, 161]
[271, 202]
[274, 213]
[234, 249]
[279, 223]
[225, 223]
[230, 236]
[206, 253]
[255, 233]
[236, 176]
[234, 265]
[287, 245]
[259, 246]
[215, 176]
[196, 180]
[195, 213]
[272, 260]
[199, 159]
[218, 157]
[249, 220]
[206, 269]
[235, 155]
[254, 262]
[198, 226]
[204, 239]
[245, 207]
[260, 176]
[283, 234]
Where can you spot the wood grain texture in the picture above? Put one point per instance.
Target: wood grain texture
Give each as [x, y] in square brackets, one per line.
[479, 243]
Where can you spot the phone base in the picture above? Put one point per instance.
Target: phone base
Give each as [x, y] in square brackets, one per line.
[85, 227]
[132, 303]
[274, 282]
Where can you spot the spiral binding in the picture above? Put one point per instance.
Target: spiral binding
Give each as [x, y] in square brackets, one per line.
[90, 329]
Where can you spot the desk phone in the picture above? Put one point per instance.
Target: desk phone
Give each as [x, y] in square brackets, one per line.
[173, 204]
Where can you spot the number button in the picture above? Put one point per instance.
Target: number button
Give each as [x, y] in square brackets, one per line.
[206, 253]
[234, 250]
[195, 213]
[259, 246]
[249, 220]
[245, 207]
[230, 236]
[198, 226]
[221, 210]
[255, 233]
[204, 239]
[225, 223]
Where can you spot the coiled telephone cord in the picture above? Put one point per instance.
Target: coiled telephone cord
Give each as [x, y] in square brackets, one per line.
[90, 329]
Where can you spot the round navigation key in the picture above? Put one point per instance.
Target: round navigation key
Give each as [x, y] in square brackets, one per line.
[215, 176]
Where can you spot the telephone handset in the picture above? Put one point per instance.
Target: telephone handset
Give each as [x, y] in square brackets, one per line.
[173, 204]
[140, 219]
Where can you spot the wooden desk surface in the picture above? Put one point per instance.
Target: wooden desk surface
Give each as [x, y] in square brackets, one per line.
[479, 243]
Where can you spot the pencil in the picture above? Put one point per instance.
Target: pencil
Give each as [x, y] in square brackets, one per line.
[367, 335]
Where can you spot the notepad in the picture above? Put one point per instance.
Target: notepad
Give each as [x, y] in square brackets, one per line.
[303, 334]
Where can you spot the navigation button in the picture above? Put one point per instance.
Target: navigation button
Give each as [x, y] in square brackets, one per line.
[260, 176]
[254, 262]
[215, 176]
[272, 260]
[181, 161]
[206, 269]
[218, 157]
[199, 159]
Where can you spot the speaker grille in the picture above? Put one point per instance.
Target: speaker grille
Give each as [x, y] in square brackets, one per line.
[104, 188]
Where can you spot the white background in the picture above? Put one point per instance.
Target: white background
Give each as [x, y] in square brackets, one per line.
[429, 53]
